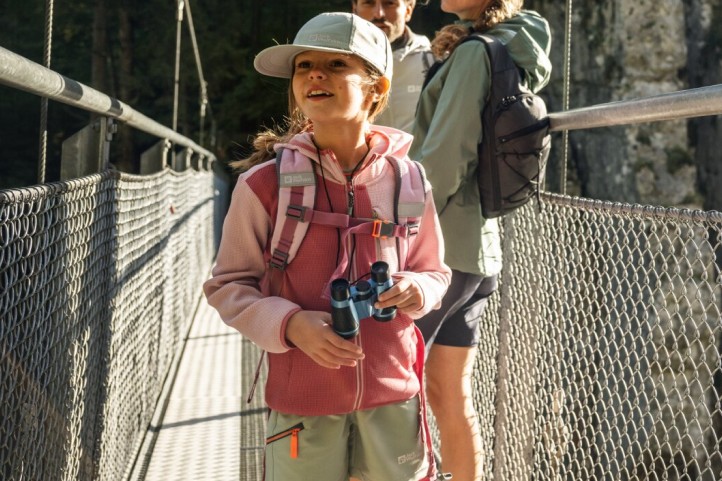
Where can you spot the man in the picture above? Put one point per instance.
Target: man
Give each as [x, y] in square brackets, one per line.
[412, 57]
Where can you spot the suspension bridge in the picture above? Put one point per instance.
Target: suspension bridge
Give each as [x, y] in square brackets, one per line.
[599, 358]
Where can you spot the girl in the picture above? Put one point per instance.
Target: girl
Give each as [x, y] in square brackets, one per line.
[446, 132]
[338, 407]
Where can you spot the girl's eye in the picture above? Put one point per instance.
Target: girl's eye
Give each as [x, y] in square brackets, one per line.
[303, 64]
[338, 63]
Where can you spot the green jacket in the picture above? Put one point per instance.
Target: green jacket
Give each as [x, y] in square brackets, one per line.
[447, 130]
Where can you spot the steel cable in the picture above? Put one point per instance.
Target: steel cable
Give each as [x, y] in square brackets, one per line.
[47, 54]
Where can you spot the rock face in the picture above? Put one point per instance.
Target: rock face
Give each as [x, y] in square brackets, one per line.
[627, 49]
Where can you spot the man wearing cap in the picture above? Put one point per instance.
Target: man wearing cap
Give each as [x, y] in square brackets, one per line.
[412, 57]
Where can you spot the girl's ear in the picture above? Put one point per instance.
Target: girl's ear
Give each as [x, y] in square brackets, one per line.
[381, 88]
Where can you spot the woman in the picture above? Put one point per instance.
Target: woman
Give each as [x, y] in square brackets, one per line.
[446, 132]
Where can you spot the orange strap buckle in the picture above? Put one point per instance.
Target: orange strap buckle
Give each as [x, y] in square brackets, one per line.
[382, 229]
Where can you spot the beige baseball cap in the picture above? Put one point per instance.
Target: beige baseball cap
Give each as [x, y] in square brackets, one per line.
[339, 32]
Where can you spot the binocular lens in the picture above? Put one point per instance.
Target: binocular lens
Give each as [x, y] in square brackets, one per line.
[340, 290]
[343, 314]
[379, 272]
[363, 291]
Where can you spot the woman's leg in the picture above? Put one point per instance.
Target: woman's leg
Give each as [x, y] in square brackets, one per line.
[453, 335]
[449, 393]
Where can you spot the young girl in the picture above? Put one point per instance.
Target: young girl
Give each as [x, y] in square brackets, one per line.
[339, 408]
[446, 133]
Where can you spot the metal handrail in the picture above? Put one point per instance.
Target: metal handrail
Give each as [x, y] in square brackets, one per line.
[23, 74]
[18, 72]
[697, 102]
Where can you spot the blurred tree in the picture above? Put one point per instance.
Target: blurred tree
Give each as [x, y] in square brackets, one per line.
[126, 49]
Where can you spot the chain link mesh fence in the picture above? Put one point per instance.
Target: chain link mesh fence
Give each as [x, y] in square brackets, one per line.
[600, 353]
[99, 278]
[599, 357]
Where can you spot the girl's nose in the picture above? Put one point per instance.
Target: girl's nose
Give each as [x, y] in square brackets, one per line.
[316, 73]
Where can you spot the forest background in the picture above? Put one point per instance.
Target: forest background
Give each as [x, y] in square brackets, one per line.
[619, 49]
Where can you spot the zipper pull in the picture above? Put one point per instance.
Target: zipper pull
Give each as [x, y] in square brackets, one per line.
[294, 443]
[351, 197]
[506, 101]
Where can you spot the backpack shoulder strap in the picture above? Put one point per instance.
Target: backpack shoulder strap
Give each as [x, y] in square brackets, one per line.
[410, 195]
[296, 199]
[427, 58]
[409, 202]
[505, 75]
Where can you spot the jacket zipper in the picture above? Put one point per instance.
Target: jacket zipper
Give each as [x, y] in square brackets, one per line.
[293, 432]
[350, 196]
[353, 273]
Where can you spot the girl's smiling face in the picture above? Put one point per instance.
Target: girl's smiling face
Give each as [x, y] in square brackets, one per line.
[332, 87]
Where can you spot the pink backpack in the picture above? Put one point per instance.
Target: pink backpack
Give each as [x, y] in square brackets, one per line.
[297, 193]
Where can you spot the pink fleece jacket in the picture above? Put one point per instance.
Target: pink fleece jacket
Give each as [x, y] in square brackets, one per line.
[238, 287]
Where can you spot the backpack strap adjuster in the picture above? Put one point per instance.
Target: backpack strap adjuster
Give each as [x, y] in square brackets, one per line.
[279, 260]
[412, 229]
[297, 212]
[382, 229]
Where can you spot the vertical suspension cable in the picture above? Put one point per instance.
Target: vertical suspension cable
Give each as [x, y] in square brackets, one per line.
[204, 105]
[556, 429]
[176, 77]
[47, 54]
[565, 94]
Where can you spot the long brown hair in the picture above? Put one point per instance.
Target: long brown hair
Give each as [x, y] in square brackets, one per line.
[296, 122]
[496, 11]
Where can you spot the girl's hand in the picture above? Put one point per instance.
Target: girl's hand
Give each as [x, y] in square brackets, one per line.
[311, 332]
[405, 294]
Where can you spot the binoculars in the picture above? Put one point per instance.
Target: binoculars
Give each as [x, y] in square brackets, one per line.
[351, 303]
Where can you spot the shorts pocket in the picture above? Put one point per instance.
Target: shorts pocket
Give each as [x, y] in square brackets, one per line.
[293, 433]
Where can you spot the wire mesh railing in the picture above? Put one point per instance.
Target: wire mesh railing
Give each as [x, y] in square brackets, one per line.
[99, 279]
[600, 356]
[600, 359]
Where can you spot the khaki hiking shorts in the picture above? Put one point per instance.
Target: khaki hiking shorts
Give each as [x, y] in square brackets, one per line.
[380, 444]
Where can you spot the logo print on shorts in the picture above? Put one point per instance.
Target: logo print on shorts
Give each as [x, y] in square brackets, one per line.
[405, 458]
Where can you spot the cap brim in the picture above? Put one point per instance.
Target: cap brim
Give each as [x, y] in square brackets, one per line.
[277, 61]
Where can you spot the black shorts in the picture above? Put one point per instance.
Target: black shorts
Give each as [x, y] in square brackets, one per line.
[456, 322]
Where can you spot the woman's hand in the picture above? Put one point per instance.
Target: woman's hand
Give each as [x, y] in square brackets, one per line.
[405, 294]
[311, 332]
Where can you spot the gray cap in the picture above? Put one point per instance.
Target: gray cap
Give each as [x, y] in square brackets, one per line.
[339, 32]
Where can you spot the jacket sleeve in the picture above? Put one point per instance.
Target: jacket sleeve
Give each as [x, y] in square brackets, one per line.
[448, 124]
[425, 261]
[234, 289]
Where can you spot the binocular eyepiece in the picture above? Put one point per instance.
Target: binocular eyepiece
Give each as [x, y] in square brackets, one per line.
[351, 303]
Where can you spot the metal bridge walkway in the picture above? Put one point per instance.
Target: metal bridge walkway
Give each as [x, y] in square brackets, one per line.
[203, 429]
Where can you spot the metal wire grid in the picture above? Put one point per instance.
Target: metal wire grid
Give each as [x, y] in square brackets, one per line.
[608, 350]
[599, 357]
[99, 278]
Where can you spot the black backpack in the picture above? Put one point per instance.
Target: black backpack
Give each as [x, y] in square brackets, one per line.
[515, 141]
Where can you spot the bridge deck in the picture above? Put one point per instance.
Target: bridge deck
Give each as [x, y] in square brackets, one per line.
[203, 428]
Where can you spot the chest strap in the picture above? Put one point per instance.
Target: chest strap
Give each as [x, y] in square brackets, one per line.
[296, 197]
